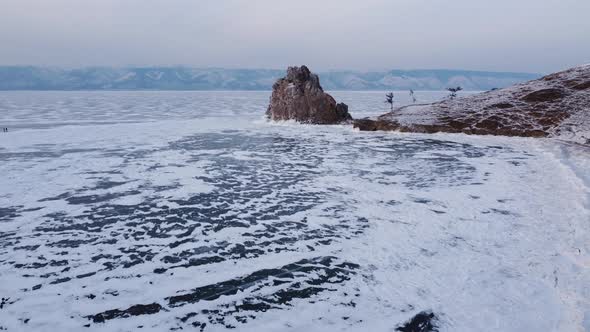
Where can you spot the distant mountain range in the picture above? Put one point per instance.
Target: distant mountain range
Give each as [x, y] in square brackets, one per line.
[184, 78]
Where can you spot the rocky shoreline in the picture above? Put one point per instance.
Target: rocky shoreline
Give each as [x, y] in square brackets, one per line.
[555, 106]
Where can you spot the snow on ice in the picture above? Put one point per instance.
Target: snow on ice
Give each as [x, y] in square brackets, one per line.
[170, 211]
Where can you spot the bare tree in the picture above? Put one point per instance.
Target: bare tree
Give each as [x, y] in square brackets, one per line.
[389, 99]
[412, 95]
[454, 91]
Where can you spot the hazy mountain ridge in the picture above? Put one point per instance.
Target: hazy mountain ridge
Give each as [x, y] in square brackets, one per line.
[184, 78]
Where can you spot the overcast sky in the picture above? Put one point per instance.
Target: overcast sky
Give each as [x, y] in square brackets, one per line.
[504, 35]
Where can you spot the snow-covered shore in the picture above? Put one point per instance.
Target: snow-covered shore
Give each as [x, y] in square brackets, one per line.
[556, 106]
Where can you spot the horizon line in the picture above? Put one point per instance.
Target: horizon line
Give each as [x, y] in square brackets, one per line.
[257, 68]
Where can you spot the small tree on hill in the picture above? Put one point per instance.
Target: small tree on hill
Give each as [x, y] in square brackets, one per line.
[454, 91]
[389, 99]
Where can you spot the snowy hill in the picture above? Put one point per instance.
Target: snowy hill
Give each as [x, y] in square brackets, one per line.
[557, 105]
[183, 78]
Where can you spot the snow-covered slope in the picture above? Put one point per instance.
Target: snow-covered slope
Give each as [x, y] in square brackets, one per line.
[557, 105]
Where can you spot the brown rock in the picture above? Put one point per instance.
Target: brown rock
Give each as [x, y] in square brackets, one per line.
[489, 124]
[365, 124]
[583, 86]
[544, 95]
[375, 125]
[500, 106]
[300, 97]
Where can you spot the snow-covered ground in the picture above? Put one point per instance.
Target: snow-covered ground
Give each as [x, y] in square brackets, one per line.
[188, 210]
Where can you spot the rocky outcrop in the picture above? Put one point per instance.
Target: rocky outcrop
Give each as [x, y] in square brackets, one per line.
[557, 105]
[300, 97]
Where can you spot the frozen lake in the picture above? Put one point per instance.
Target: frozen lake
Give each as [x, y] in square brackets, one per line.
[187, 210]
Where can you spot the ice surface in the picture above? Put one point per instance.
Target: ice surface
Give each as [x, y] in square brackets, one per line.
[188, 210]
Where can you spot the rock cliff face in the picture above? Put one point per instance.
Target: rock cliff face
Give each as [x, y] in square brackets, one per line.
[557, 105]
[299, 97]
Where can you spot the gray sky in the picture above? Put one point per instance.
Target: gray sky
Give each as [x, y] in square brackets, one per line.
[504, 35]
